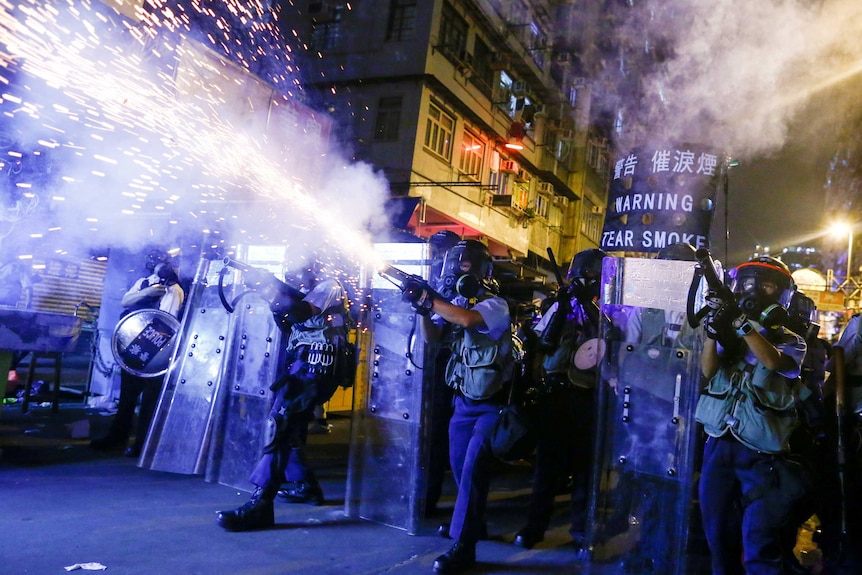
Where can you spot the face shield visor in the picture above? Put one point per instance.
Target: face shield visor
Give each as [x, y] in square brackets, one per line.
[803, 316]
[585, 271]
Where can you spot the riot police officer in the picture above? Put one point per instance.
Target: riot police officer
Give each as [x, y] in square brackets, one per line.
[748, 411]
[159, 289]
[316, 326]
[565, 411]
[478, 369]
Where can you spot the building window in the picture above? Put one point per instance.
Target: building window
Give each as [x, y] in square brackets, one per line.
[511, 95]
[326, 30]
[591, 222]
[388, 119]
[453, 33]
[438, 132]
[597, 156]
[538, 45]
[483, 73]
[472, 152]
[543, 204]
[402, 20]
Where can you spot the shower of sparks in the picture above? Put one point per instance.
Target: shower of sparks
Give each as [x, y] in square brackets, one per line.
[146, 128]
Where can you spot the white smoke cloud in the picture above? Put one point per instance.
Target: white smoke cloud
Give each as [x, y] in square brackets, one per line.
[741, 71]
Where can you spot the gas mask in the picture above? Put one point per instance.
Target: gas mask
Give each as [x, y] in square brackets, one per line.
[763, 309]
[462, 284]
[466, 269]
[764, 289]
[154, 258]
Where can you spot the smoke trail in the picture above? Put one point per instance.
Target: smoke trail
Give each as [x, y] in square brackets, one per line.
[146, 134]
[734, 74]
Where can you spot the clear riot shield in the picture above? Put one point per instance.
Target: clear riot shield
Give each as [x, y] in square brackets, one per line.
[643, 501]
[386, 475]
[216, 395]
[179, 432]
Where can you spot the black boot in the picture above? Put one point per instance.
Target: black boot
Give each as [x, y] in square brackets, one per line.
[256, 514]
[528, 537]
[302, 492]
[457, 560]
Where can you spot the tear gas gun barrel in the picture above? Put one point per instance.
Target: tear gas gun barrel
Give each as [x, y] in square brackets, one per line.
[550, 338]
[705, 269]
[396, 276]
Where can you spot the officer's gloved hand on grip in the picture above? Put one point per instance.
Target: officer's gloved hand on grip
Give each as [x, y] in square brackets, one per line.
[719, 321]
[714, 300]
[418, 294]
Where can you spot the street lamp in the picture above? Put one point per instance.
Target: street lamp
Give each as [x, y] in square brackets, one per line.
[839, 229]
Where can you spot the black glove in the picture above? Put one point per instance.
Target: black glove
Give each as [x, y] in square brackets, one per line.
[418, 294]
[714, 300]
[719, 322]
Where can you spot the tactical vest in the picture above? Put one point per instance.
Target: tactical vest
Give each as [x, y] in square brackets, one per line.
[753, 403]
[479, 366]
[562, 360]
[320, 341]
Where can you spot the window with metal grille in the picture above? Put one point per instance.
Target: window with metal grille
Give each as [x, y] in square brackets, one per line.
[453, 32]
[402, 20]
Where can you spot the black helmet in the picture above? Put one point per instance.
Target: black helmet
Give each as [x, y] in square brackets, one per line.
[304, 273]
[466, 269]
[441, 242]
[586, 271]
[586, 265]
[802, 314]
[762, 283]
[680, 251]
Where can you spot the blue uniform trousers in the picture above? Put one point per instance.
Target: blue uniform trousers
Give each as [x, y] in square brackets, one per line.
[296, 396]
[743, 508]
[470, 456]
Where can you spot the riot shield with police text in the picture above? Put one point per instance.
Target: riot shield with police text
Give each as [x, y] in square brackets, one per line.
[216, 395]
[643, 504]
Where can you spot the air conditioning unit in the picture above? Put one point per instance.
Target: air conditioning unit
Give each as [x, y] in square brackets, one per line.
[546, 187]
[519, 88]
[502, 200]
[509, 166]
[522, 175]
[561, 201]
[598, 210]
